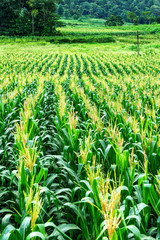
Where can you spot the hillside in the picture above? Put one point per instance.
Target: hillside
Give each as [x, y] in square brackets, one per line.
[105, 8]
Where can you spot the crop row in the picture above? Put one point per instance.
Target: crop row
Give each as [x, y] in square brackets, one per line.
[79, 147]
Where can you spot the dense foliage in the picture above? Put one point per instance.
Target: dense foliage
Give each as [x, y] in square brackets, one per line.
[106, 8]
[21, 17]
[114, 21]
[79, 146]
[40, 17]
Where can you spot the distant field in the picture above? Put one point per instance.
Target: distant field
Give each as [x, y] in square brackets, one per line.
[79, 142]
[96, 25]
[91, 35]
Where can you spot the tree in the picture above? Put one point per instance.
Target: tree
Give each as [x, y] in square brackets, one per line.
[119, 21]
[106, 8]
[51, 17]
[114, 21]
[75, 17]
[25, 17]
[136, 20]
[146, 16]
[7, 18]
[93, 9]
[34, 13]
[111, 21]
[66, 12]
[131, 16]
[158, 19]
[155, 10]
[60, 10]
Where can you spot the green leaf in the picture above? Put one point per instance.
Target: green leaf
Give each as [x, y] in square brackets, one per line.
[95, 192]
[6, 210]
[51, 179]
[51, 224]
[6, 219]
[64, 228]
[115, 236]
[25, 227]
[135, 231]
[5, 236]
[101, 233]
[41, 228]
[83, 222]
[144, 237]
[8, 229]
[24, 182]
[39, 176]
[140, 207]
[35, 234]
[134, 217]
[10, 233]
[154, 200]
[107, 150]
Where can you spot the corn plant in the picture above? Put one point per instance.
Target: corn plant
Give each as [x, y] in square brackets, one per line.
[79, 146]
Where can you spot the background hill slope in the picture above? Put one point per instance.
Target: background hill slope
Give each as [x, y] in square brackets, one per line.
[105, 8]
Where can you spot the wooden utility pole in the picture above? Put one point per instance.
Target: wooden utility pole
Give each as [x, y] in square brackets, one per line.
[138, 43]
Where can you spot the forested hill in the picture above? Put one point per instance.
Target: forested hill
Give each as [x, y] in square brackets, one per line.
[105, 8]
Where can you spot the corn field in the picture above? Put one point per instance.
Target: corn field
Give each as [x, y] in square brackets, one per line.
[79, 146]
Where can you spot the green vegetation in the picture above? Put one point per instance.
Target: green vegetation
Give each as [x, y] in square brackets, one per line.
[93, 31]
[32, 17]
[141, 11]
[79, 120]
[40, 17]
[79, 143]
[114, 21]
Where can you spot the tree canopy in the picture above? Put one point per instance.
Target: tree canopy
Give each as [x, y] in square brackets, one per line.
[107, 8]
[21, 17]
